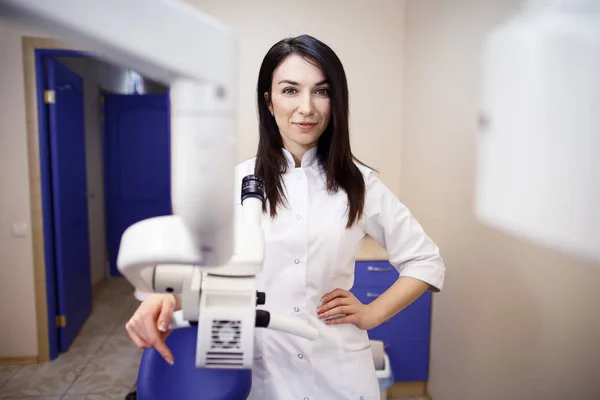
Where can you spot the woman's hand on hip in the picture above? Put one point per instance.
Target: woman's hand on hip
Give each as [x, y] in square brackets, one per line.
[343, 302]
[149, 326]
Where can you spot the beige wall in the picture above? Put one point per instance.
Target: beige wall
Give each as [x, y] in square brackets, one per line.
[515, 321]
[362, 33]
[18, 333]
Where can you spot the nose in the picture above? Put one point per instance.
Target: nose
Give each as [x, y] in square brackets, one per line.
[306, 107]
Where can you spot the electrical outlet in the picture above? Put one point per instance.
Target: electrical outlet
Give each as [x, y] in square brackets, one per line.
[19, 229]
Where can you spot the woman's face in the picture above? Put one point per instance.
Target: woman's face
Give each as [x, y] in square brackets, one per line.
[299, 103]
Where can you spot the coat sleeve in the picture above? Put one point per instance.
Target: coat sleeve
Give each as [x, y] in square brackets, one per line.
[392, 225]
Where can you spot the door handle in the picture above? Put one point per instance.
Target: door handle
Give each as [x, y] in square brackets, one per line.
[371, 268]
[89, 195]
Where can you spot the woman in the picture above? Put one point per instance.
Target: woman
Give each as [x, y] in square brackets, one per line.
[321, 203]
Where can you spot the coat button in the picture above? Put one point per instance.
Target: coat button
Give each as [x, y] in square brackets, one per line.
[296, 261]
[298, 216]
[296, 309]
[300, 356]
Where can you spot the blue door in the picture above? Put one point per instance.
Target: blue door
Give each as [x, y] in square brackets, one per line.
[69, 202]
[137, 163]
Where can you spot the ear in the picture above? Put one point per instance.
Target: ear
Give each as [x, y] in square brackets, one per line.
[269, 104]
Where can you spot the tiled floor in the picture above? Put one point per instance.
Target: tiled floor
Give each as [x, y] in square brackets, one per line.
[102, 363]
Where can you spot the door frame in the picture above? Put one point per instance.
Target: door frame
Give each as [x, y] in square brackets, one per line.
[46, 192]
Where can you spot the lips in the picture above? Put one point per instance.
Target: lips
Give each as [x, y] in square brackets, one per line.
[306, 125]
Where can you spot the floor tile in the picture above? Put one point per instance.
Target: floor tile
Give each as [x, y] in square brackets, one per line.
[113, 370]
[101, 364]
[52, 378]
[126, 316]
[114, 304]
[103, 319]
[35, 398]
[95, 397]
[85, 346]
[7, 371]
[115, 289]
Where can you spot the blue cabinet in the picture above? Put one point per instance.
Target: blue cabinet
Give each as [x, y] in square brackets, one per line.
[406, 335]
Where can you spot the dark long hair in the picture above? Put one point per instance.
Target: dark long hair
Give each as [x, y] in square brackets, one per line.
[333, 148]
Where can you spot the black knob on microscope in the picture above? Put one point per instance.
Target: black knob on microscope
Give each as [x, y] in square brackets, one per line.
[261, 298]
[253, 186]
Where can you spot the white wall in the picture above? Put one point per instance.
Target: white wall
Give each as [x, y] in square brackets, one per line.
[18, 335]
[515, 321]
[366, 35]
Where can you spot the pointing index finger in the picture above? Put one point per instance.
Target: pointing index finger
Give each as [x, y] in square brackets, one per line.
[164, 351]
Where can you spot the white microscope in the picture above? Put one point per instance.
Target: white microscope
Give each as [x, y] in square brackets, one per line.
[221, 301]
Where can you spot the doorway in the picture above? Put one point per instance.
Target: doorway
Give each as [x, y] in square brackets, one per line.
[104, 156]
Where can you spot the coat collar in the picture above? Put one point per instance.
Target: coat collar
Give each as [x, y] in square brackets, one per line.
[308, 159]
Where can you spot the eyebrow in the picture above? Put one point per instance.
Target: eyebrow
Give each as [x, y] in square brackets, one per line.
[289, 82]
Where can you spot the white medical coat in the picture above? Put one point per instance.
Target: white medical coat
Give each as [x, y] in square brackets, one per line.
[309, 252]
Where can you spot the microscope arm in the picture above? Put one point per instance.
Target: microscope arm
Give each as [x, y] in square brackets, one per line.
[264, 319]
[166, 40]
[293, 326]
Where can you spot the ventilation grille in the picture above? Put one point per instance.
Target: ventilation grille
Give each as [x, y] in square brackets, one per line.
[224, 360]
[225, 349]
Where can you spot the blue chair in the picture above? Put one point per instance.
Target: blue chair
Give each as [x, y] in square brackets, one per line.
[157, 380]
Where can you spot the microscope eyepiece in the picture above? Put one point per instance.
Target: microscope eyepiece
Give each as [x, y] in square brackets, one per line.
[253, 186]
